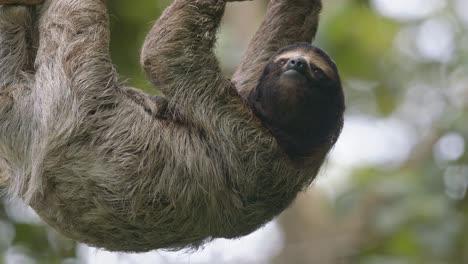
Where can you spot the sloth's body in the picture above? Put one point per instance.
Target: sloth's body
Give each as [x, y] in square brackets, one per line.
[112, 167]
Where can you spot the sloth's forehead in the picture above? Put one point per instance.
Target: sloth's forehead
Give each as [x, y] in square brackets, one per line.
[311, 58]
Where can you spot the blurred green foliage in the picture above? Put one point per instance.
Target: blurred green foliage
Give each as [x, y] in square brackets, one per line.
[130, 22]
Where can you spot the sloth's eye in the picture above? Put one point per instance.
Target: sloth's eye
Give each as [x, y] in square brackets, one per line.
[318, 73]
[282, 62]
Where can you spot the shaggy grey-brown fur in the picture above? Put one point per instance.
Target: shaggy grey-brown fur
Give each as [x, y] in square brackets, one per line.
[108, 165]
[21, 2]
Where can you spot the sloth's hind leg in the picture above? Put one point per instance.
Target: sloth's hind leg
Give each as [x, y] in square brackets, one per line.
[16, 67]
[75, 82]
[74, 49]
[16, 49]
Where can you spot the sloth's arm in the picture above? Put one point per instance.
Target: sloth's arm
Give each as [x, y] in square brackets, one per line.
[286, 22]
[178, 57]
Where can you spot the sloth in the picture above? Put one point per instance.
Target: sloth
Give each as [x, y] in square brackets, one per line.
[112, 167]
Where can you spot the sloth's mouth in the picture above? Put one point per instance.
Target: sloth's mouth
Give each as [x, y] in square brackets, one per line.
[293, 73]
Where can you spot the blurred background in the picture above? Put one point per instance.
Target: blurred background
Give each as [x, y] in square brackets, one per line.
[394, 190]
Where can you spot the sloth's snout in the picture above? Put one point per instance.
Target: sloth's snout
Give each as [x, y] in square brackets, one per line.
[297, 63]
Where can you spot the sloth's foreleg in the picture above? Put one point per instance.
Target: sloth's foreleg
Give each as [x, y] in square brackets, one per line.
[178, 57]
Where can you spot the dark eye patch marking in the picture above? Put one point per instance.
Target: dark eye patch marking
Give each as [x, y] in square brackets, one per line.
[318, 73]
[282, 62]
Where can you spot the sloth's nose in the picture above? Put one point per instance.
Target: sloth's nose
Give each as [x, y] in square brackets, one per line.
[297, 63]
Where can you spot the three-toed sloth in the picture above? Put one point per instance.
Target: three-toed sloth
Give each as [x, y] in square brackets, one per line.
[112, 167]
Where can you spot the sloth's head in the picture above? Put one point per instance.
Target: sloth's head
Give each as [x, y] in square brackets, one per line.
[299, 98]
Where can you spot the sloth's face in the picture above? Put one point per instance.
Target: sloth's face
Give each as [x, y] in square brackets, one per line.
[303, 65]
[300, 94]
